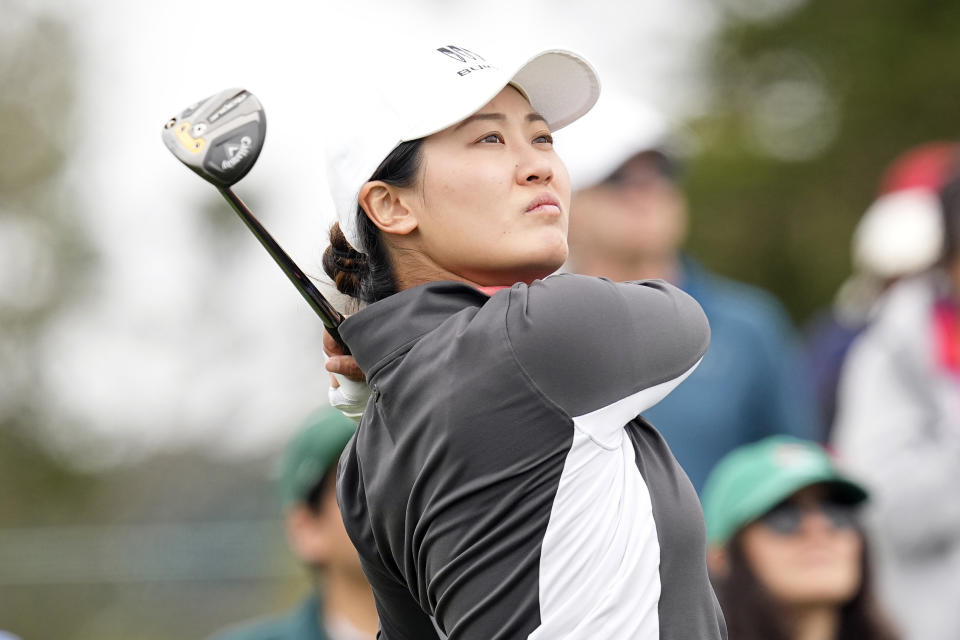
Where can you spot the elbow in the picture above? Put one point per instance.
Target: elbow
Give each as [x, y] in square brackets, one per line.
[693, 328]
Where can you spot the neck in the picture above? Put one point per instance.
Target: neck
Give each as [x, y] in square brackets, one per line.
[622, 269]
[347, 597]
[816, 622]
[418, 269]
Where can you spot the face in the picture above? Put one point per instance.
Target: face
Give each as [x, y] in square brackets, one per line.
[319, 539]
[492, 203]
[639, 213]
[815, 562]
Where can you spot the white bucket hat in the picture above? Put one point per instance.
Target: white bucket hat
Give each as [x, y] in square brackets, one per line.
[426, 90]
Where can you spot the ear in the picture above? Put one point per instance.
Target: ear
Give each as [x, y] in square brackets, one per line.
[718, 561]
[307, 535]
[388, 207]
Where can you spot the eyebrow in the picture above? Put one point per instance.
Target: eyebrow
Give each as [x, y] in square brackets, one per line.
[533, 116]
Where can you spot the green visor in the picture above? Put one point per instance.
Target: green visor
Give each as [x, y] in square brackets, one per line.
[754, 478]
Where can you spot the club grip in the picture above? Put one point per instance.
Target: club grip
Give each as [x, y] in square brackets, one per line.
[328, 314]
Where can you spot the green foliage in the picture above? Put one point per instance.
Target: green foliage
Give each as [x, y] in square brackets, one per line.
[886, 69]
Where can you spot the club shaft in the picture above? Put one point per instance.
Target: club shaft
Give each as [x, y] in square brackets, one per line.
[328, 314]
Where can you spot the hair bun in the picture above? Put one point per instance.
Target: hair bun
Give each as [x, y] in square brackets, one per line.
[344, 264]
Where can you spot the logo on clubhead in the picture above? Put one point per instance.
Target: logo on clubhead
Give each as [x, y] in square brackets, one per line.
[236, 153]
[228, 106]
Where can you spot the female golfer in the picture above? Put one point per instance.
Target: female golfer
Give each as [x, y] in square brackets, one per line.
[501, 483]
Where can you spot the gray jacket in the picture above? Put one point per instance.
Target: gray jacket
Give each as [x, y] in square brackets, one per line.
[501, 484]
[898, 428]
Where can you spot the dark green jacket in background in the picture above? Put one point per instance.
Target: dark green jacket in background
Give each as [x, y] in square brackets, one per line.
[303, 623]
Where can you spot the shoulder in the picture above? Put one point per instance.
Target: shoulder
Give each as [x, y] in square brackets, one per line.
[583, 294]
[587, 342]
[592, 310]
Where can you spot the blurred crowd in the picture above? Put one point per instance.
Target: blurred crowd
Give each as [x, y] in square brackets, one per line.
[825, 457]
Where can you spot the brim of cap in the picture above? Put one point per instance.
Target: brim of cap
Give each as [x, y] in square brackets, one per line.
[560, 85]
[770, 494]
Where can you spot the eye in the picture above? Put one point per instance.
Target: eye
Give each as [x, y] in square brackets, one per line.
[492, 138]
[545, 138]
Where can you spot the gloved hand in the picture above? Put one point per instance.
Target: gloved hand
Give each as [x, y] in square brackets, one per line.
[349, 391]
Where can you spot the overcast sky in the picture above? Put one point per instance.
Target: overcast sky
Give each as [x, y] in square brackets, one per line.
[155, 360]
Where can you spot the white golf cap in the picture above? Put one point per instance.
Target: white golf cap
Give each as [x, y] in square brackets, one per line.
[618, 128]
[901, 233]
[422, 91]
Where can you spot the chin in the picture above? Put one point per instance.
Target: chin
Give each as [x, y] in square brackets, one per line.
[554, 251]
[837, 591]
[551, 263]
[526, 273]
[523, 265]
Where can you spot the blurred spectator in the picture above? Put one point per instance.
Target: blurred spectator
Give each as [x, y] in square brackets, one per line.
[786, 550]
[899, 235]
[898, 424]
[341, 606]
[628, 222]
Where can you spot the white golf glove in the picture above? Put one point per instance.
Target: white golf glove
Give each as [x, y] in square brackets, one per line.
[350, 398]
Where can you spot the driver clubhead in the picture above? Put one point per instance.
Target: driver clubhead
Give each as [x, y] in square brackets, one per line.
[220, 137]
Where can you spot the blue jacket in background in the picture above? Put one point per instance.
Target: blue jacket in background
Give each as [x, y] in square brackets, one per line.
[749, 385]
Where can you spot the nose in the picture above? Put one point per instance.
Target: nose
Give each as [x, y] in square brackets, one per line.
[534, 167]
[815, 521]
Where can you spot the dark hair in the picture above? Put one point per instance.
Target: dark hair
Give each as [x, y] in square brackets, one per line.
[950, 209]
[315, 496]
[369, 276]
[752, 613]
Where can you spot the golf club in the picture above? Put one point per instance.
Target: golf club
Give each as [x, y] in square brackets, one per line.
[220, 139]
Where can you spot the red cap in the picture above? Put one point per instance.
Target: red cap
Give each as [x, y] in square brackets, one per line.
[928, 166]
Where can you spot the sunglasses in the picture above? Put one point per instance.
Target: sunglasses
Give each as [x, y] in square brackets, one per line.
[657, 166]
[786, 517]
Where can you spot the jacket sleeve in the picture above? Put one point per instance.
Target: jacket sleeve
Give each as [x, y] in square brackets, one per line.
[401, 618]
[900, 447]
[589, 344]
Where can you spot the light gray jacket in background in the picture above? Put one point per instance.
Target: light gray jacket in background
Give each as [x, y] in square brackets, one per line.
[898, 428]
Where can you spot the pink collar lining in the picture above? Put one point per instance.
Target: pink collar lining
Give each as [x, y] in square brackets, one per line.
[491, 290]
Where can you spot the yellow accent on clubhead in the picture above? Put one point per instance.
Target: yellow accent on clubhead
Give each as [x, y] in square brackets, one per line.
[193, 145]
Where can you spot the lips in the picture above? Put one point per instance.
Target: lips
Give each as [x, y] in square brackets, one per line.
[544, 203]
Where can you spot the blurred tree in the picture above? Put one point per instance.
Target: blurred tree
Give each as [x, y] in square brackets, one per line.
[44, 255]
[811, 101]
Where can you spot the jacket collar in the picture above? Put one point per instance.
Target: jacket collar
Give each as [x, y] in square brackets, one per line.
[385, 328]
